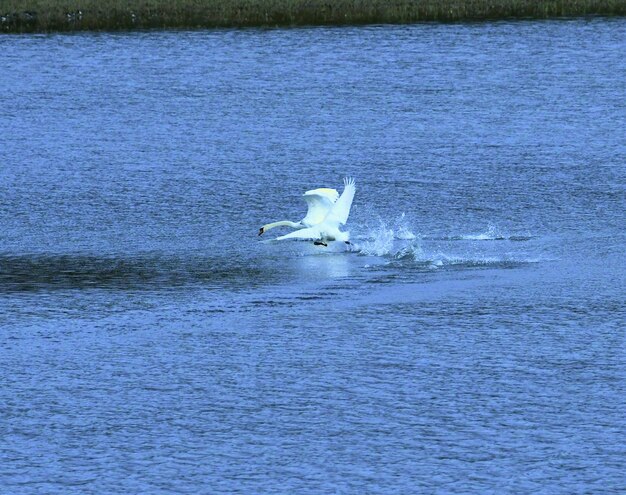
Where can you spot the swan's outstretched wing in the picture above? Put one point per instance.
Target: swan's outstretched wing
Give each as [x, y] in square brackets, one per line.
[308, 233]
[341, 209]
[320, 201]
[327, 192]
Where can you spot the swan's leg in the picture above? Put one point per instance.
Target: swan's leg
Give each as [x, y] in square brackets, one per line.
[261, 230]
[320, 243]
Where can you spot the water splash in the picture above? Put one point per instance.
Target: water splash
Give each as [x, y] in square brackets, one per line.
[403, 229]
[381, 240]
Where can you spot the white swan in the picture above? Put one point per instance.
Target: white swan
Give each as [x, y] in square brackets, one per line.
[326, 229]
[319, 201]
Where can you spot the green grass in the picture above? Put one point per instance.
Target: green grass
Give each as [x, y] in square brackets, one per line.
[17, 16]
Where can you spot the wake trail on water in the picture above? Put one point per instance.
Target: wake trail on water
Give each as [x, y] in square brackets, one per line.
[397, 242]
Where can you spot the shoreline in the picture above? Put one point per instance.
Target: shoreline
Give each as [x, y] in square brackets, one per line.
[41, 16]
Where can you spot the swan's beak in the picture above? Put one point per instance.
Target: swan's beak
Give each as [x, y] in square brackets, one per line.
[261, 231]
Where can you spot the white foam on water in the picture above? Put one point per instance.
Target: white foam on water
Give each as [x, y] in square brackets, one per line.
[491, 234]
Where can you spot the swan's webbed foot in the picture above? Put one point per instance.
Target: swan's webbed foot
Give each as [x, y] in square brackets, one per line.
[261, 230]
[320, 243]
[348, 243]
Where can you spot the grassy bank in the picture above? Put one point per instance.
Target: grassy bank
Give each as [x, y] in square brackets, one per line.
[66, 15]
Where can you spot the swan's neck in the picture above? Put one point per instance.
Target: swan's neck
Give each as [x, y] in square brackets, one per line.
[282, 223]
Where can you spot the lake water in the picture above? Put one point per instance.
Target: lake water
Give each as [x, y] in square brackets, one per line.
[470, 340]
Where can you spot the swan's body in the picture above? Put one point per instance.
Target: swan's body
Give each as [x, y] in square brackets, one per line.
[327, 211]
[319, 202]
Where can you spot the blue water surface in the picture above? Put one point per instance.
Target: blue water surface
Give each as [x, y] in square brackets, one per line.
[471, 339]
